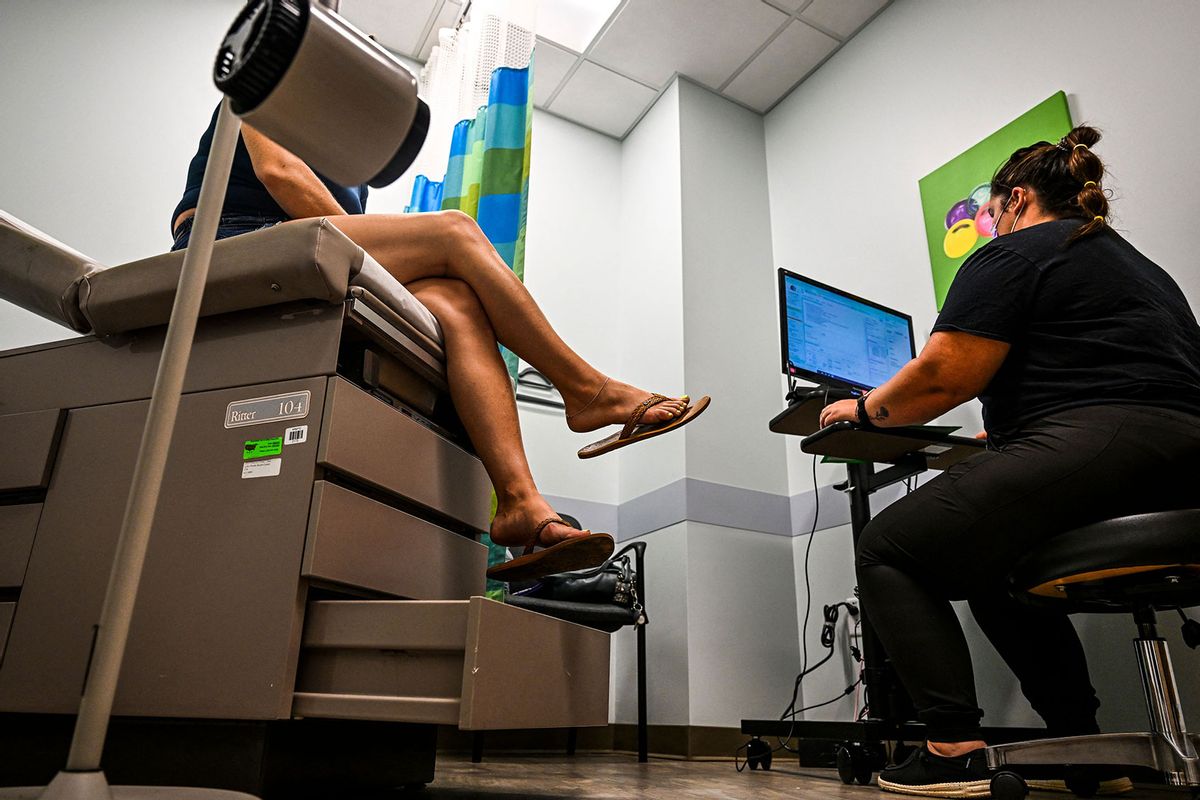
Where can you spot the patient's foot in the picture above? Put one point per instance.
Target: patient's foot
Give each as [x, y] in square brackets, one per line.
[611, 403]
[516, 522]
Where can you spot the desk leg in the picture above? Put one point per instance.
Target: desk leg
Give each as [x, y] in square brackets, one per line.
[888, 701]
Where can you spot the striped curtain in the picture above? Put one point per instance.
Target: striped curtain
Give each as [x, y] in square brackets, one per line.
[488, 173]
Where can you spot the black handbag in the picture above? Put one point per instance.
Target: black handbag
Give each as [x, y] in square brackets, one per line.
[605, 597]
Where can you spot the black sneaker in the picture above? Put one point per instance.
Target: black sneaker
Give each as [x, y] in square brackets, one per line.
[929, 775]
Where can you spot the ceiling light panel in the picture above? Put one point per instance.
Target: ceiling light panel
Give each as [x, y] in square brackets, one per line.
[706, 40]
[573, 23]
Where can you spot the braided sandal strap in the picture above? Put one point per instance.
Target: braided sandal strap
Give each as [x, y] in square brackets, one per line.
[537, 532]
[635, 418]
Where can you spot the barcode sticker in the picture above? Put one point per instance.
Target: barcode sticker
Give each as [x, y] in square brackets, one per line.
[297, 435]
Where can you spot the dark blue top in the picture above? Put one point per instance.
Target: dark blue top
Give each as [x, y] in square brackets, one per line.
[246, 193]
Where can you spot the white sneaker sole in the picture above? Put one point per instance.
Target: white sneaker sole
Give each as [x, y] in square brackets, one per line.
[964, 789]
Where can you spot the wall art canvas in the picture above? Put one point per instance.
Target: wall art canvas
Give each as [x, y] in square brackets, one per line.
[954, 196]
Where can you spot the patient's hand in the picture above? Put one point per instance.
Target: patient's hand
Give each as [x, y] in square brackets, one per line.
[981, 435]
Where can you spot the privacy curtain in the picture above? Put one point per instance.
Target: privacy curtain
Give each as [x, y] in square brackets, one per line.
[488, 173]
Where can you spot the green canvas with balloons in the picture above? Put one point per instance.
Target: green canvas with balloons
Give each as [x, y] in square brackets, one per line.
[954, 197]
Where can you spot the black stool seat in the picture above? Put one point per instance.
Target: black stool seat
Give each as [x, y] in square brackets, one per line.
[1117, 565]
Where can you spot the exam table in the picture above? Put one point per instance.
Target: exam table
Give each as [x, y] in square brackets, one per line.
[311, 608]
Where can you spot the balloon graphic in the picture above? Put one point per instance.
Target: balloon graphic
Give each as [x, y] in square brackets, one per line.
[960, 238]
[963, 209]
[984, 223]
[981, 194]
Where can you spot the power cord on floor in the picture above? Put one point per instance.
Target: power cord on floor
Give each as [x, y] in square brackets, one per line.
[828, 635]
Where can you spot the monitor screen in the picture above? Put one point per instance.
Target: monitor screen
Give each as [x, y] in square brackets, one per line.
[833, 337]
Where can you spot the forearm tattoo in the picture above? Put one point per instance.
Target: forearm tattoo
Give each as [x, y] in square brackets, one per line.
[881, 414]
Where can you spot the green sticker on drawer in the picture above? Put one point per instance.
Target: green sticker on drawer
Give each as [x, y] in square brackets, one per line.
[261, 448]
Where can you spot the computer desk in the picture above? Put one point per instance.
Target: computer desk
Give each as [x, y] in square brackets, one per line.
[908, 452]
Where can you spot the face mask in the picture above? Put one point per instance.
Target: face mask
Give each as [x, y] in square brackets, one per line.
[1015, 220]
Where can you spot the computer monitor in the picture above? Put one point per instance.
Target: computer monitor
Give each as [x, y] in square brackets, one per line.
[832, 337]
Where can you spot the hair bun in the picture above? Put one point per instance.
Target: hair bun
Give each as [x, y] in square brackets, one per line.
[1081, 134]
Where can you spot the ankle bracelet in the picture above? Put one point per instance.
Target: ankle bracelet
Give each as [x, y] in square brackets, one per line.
[589, 402]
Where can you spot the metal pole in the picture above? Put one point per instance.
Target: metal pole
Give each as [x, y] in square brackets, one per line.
[875, 671]
[117, 612]
[642, 727]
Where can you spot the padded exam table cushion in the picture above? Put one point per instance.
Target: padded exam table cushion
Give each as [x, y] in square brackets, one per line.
[41, 274]
[302, 260]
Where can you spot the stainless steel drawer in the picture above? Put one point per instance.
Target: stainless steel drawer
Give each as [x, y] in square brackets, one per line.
[18, 525]
[380, 445]
[30, 441]
[356, 541]
[477, 664]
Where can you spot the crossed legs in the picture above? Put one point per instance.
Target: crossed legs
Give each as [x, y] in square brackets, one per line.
[450, 266]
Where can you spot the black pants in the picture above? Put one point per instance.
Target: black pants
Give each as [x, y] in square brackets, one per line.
[957, 537]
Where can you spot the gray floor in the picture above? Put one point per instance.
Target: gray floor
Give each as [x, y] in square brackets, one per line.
[509, 777]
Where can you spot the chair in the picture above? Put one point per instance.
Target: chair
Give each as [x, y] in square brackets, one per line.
[608, 617]
[1135, 565]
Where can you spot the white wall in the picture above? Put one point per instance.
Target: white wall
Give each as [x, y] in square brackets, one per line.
[668, 676]
[731, 335]
[648, 323]
[573, 262]
[922, 83]
[103, 106]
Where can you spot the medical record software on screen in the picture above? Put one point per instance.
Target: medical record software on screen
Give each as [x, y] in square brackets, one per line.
[833, 335]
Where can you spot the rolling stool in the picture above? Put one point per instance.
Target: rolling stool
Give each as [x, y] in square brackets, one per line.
[1132, 565]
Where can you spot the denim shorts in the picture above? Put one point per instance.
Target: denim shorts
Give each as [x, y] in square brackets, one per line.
[229, 225]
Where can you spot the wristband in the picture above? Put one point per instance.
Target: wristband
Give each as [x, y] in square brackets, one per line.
[864, 419]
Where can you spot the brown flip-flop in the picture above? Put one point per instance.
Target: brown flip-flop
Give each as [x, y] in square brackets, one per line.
[580, 552]
[634, 431]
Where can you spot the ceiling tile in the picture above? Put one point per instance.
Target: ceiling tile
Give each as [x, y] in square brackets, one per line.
[786, 60]
[602, 99]
[550, 65]
[707, 40]
[446, 17]
[790, 6]
[842, 17]
[396, 24]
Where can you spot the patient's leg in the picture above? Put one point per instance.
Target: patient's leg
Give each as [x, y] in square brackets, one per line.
[482, 393]
[450, 244]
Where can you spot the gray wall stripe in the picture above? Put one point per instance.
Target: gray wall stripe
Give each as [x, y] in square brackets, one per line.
[695, 500]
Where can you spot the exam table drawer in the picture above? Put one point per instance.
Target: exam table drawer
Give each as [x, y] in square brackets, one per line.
[376, 443]
[18, 524]
[356, 541]
[477, 664]
[30, 441]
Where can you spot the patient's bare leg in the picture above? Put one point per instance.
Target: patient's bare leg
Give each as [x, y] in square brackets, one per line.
[450, 244]
[482, 393]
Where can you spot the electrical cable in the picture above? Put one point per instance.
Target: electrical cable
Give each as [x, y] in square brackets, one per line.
[791, 711]
[804, 668]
